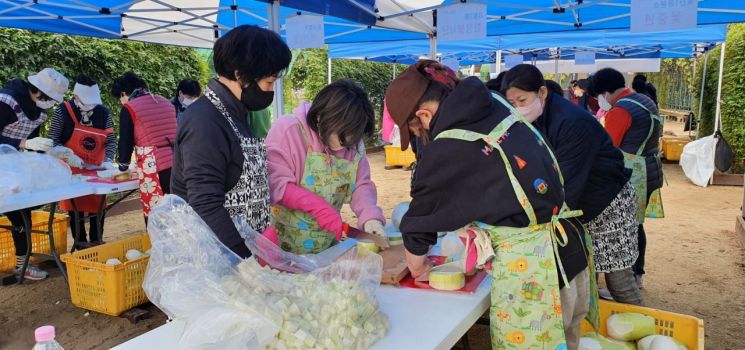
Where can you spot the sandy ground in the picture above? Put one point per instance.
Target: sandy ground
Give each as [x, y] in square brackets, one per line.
[695, 266]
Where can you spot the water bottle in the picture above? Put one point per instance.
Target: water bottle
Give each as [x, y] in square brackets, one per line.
[45, 339]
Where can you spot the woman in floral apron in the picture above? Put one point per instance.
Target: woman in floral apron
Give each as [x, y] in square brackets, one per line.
[486, 166]
[317, 162]
[220, 166]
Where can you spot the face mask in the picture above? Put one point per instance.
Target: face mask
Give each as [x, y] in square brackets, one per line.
[186, 102]
[603, 103]
[86, 108]
[45, 104]
[533, 111]
[256, 99]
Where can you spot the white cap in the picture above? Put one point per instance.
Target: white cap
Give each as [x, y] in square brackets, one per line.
[90, 95]
[50, 82]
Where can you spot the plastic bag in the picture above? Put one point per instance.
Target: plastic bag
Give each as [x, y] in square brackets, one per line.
[697, 160]
[30, 172]
[452, 247]
[230, 303]
[395, 136]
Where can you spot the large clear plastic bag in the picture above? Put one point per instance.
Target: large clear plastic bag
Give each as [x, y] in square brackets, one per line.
[230, 303]
[30, 172]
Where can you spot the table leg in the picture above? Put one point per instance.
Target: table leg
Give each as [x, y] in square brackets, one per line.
[52, 246]
[26, 228]
[75, 225]
[99, 217]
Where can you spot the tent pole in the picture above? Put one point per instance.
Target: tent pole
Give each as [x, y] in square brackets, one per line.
[433, 47]
[556, 68]
[328, 71]
[499, 62]
[394, 70]
[235, 15]
[693, 75]
[274, 25]
[719, 89]
[701, 97]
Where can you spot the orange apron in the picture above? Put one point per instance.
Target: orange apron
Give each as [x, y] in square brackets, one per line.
[89, 144]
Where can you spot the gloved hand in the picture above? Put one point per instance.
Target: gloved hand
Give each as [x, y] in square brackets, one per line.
[298, 198]
[42, 144]
[75, 161]
[375, 227]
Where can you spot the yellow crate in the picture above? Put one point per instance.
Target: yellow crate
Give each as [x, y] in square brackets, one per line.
[687, 329]
[108, 289]
[39, 242]
[394, 156]
[673, 148]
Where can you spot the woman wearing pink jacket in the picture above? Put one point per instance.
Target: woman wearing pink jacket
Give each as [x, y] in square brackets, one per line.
[317, 162]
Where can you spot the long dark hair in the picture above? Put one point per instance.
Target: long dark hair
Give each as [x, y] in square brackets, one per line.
[525, 77]
[344, 108]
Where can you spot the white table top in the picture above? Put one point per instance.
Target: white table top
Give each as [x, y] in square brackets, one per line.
[74, 190]
[419, 319]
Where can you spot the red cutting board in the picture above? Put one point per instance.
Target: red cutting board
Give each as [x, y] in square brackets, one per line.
[472, 282]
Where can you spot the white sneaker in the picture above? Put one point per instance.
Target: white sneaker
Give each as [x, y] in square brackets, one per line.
[33, 273]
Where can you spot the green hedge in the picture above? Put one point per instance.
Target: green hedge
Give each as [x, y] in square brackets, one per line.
[733, 94]
[23, 53]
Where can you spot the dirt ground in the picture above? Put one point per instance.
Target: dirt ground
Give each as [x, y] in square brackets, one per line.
[695, 266]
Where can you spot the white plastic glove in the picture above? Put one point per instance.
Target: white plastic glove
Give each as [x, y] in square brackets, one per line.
[108, 165]
[75, 161]
[375, 227]
[42, 144]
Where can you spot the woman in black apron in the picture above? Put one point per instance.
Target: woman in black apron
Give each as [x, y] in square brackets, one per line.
[219, 164]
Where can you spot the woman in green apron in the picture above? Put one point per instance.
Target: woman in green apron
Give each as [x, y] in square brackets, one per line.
[317, 162]
[635, 127]
[487, 166]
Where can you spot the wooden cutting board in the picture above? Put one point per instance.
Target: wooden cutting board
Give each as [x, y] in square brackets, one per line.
[394, 265]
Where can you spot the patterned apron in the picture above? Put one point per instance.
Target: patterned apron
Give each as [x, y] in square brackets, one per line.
[525, 298]
[89, 144]
[333, 179]
[147, 172]
[637, 164]
[248, 200]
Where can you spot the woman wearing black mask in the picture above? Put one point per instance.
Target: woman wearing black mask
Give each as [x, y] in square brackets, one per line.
[219, 164]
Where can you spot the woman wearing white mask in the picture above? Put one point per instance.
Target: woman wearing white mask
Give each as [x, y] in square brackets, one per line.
[23, 105]
[596, 180]
[85, 126]
[187, 92]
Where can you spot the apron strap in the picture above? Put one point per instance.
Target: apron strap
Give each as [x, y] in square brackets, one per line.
[71, 113]
[305, 134]
[652, 118]
[530, 126]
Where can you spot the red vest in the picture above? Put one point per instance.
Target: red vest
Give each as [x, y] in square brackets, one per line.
[154, 119]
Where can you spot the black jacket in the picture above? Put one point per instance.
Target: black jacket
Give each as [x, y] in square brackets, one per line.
[459, 182]
[18, 88]
[208, 162]
[593, 168]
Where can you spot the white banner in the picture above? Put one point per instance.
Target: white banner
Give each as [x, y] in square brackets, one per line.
[512, 60]
[465, 21]
[584, 57]
[661, 15]
[305, 31]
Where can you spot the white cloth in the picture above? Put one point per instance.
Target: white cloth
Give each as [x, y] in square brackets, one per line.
[697, 160]
[89, 95]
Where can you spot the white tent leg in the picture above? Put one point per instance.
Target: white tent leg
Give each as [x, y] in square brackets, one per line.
[717, 117]
[394, 71]
[499, 62]
[701, 97]
[275, 25]
[328, 71]
[433, 47]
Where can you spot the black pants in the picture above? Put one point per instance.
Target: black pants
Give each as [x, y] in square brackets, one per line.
[93, 232]
[639, 264]
[19, 236]
[165, 180]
